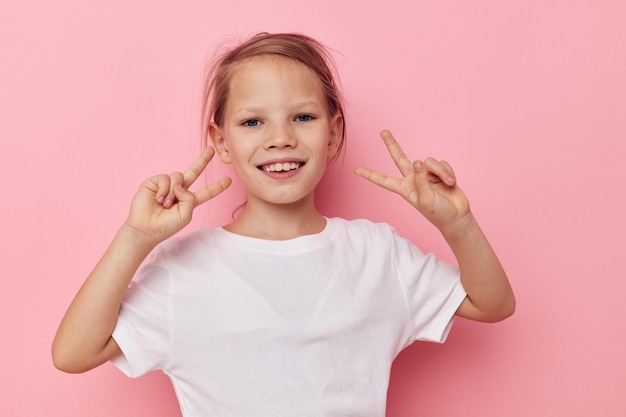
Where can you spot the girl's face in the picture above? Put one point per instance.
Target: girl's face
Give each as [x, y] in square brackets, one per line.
[277, 133]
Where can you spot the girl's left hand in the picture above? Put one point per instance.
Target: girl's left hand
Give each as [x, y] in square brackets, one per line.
[429, 185]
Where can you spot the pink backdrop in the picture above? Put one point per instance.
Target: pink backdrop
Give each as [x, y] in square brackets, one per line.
[526, 99]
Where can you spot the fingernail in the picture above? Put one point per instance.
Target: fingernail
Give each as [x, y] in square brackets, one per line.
[168, 202]
[418, 165]
[451, 179]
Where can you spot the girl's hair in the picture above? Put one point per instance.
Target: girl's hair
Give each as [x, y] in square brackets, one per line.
[295, 46]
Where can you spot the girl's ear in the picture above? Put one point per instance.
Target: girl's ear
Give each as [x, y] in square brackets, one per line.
[336, 129]
[219, 143]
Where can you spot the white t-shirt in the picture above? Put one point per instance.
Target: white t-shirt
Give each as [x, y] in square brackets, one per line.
[304, 327]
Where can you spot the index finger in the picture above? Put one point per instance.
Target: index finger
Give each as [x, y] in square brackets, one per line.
[195, 169]
[403, 163]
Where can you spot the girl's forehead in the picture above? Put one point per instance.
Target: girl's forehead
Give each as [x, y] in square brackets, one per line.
[266, 77]
[272, 64]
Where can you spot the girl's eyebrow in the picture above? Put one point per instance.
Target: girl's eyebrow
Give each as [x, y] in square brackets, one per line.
[317, 103]
[295, 106]
[247, 110]
[306, 103]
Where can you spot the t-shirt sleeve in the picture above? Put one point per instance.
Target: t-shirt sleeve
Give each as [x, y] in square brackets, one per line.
[143, 329]
[432, 290]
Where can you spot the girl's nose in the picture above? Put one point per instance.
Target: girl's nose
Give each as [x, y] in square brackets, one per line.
[280, 137]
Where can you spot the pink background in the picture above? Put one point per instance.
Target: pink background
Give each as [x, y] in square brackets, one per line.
[527, 100]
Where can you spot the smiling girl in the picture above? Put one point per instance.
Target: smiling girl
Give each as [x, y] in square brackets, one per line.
[284, 311]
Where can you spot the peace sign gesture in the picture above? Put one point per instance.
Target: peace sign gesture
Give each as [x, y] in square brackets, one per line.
[429, 185]
[163, 205]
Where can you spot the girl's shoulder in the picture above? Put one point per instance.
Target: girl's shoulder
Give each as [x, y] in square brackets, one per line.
[194, 242]
[361, 224]
[366, 229]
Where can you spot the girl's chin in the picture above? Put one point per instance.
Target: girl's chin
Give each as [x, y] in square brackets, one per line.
[282, 200]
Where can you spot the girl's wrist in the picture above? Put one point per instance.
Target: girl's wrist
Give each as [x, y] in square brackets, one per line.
[462, 228]
[137, 238]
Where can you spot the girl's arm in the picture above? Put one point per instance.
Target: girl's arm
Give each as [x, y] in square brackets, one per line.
[83, 340]
[489, 294]
[430, 186]
[162, 206]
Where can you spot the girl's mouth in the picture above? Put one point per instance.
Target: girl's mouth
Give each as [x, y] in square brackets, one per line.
[281, 166]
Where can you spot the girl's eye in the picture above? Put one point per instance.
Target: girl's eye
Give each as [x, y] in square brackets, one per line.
[304, 118]
[251, 123]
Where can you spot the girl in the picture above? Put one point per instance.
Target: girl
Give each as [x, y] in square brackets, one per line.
[283, 311]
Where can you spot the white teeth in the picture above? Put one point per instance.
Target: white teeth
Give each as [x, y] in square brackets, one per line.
[284, 166]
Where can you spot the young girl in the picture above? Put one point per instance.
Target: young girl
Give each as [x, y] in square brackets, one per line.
[284, 311]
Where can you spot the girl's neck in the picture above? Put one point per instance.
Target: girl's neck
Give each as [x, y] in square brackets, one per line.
[278, 222]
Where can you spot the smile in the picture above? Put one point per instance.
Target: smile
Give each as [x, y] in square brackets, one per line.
[281, 166]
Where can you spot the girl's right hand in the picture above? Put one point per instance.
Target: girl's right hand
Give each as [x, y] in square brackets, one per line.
[163, 205]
